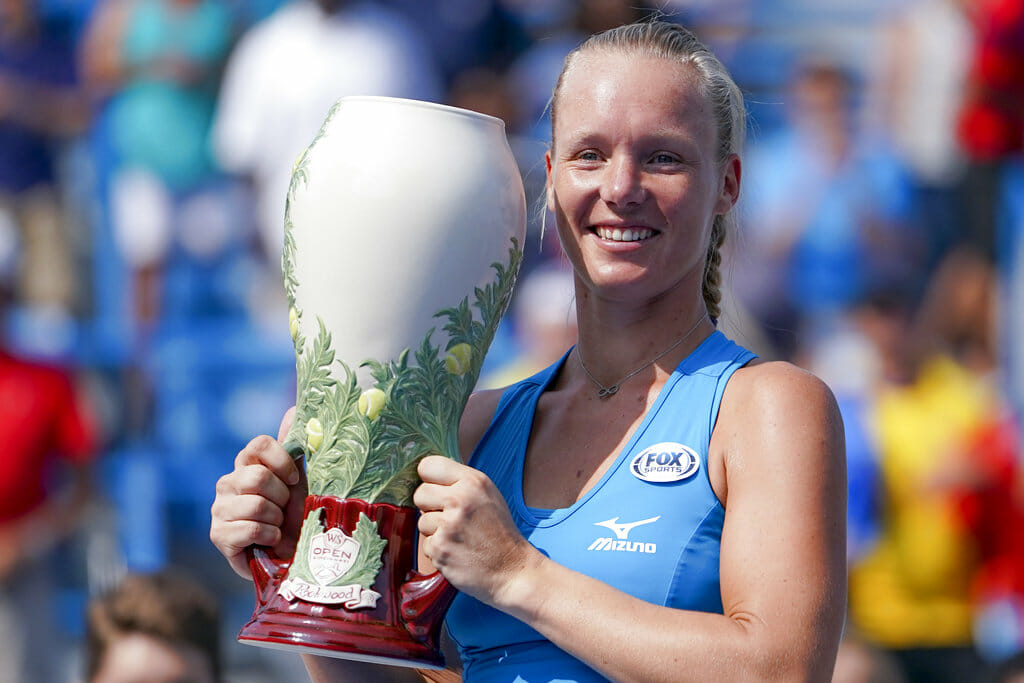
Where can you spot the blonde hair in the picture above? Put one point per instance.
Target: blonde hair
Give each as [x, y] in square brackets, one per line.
[673, 42]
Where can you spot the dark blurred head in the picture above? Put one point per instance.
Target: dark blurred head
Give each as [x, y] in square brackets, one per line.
[821, 89]
[16, 16]
[331, 6]
[486, 91]
[594, 16]
[164, 625]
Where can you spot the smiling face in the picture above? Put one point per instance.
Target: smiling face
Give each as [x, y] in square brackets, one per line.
[634, 179]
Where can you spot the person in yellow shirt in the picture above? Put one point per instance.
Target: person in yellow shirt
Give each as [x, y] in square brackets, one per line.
[911, 593]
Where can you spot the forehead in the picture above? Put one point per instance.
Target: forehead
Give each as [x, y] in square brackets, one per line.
[605, 87]
[136, 657]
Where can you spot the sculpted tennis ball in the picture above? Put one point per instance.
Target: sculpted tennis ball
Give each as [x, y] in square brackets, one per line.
[459, 359]
[371, 402]
[293, 322]
[314, 434]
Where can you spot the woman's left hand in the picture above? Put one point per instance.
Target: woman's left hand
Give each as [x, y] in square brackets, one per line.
[467, 530]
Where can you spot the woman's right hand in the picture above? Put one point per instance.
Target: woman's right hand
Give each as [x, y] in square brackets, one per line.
[260, 502]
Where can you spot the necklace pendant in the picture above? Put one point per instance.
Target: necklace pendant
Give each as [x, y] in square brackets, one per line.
[605, 392]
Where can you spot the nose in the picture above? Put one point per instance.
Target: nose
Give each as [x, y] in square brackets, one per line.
[622, 184]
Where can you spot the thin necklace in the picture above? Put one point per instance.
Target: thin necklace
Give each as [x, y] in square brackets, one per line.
[605, 392]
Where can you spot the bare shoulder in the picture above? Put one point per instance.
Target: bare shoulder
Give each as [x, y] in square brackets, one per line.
[774, 387]
[476, 418]
[777, 414]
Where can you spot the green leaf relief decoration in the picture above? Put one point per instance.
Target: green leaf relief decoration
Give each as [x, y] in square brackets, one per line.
[371, 548]
[311, 526]
[367, 564]
[366, 444]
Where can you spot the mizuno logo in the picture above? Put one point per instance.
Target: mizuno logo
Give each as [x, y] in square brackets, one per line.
[624, 546]
[622, 530]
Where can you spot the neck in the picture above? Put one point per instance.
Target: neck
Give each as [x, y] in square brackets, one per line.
[614, 342]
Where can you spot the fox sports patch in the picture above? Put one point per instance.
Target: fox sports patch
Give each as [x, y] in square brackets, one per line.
[665, 462]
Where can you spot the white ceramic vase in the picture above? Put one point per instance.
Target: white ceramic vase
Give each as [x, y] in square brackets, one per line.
[403, 236]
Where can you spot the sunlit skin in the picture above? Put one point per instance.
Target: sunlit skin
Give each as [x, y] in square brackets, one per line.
[635, 148]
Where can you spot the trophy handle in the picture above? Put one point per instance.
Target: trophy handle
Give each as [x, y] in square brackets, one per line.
[267, 569]
[425, 598]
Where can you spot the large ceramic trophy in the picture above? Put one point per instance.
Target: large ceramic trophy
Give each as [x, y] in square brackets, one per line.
[403, 235]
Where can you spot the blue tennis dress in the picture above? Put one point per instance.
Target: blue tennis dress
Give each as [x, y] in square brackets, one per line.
[651, 527]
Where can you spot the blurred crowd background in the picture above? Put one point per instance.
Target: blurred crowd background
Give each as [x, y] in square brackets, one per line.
[145, 151]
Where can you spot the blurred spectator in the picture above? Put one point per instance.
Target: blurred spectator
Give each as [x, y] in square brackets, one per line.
[557, 30]
[825, 213]
[284, 76]
[160, 63]
[42, 106]
[851, 359]
[911, 595]
[922, 80]
[158, 628]
[45, 485]
[991, 126]
[486, 90]
[467, 34]
[992, 134]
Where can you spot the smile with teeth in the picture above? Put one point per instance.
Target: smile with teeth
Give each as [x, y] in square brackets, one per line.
[626, 235]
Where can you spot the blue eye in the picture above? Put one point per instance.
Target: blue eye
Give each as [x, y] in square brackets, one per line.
[664, 158]
[589, 155]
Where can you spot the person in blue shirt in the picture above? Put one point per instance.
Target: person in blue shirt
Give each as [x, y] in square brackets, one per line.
[43, 109]
[659, 504]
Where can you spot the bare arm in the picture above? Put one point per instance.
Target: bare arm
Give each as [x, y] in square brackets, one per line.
[779, 443]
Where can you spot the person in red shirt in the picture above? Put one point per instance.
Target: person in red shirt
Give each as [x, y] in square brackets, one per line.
[47, 438]
[992, 120]
[991, 126]
[41, 421]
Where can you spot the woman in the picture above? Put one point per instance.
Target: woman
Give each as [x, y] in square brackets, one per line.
[658, 505]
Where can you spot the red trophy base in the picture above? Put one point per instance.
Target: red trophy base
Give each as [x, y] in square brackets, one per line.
[402, 629]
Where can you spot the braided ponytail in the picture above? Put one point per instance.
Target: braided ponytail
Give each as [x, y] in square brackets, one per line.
[711, 288]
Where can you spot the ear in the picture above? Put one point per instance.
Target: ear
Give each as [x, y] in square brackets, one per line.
[549, 187]
[732, 171]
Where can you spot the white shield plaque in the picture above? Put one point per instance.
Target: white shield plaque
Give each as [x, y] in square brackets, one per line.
[331, 554]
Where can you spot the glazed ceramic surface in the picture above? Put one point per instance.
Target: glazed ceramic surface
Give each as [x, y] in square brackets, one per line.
[403, 235]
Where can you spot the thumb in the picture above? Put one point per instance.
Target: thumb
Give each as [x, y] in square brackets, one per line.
[286, 424]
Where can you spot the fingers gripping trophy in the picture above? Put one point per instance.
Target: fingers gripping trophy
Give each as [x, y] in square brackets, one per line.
[403, 234]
